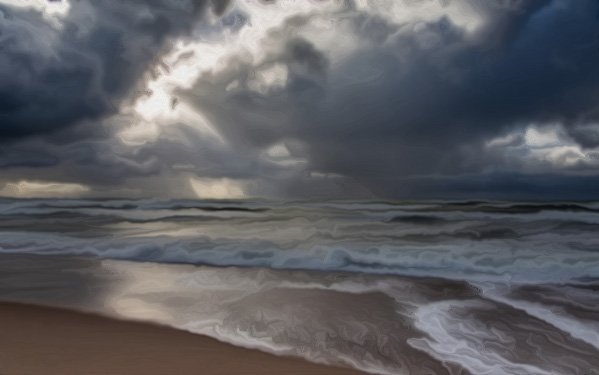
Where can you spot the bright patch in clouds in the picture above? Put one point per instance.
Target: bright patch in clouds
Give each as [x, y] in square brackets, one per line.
[268, 78]
[551, 145]
[53, 11]
[548, 147]
[210, 52]
[460, 13]
[544, 137]
[217, 188]
[280, 155]
[50, 8]
[42, 189]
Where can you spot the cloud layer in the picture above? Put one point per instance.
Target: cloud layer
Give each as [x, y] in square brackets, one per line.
[428, 99]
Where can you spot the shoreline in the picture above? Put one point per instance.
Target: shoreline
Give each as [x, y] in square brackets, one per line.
[45, 340]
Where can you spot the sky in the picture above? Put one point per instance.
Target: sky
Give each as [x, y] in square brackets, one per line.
[287, 100]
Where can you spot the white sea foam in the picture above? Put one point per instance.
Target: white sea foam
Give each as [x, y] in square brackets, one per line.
[431, 288]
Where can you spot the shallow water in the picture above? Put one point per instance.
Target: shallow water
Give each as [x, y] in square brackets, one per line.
[419, 288]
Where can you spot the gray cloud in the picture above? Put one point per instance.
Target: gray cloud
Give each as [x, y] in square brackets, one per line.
[55, 77]
[415, 109]
[422, 99]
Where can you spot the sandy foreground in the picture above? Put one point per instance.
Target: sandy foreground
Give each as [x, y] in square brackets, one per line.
[42, 340]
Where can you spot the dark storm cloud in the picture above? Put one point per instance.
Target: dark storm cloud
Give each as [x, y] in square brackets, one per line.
[421, 98]
[499, 186]
[28, 158]
[53, 78]
[409, 111]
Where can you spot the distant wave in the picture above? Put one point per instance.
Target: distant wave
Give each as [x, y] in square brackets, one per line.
[474, 241]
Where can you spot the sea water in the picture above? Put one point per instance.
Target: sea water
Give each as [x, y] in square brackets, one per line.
[389, 288]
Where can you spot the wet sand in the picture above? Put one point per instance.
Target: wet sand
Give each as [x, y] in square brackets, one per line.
[41, 340]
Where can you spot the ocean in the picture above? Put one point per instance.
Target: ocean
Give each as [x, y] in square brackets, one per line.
[386, 287]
